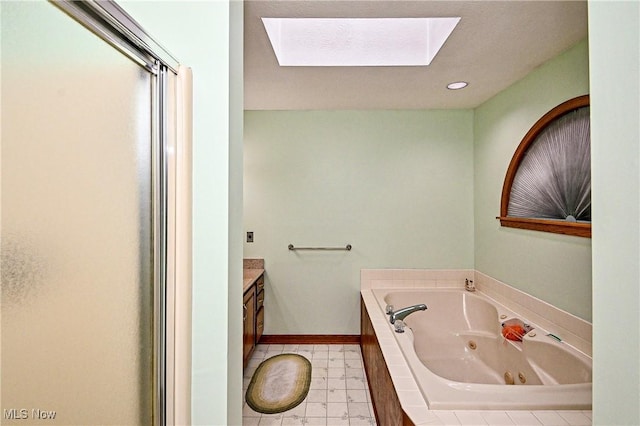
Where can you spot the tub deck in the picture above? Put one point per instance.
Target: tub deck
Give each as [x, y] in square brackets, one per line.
[459, 358]
[415, 379]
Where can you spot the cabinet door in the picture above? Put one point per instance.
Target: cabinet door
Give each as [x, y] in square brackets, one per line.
[249, 332]
[259, 308]
[259, 324]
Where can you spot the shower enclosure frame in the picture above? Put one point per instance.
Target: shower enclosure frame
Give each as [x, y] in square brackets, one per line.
[109, 21]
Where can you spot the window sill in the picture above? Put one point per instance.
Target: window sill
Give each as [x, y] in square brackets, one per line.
[578, 229]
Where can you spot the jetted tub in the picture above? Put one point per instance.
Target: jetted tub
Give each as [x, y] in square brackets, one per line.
[460, 360]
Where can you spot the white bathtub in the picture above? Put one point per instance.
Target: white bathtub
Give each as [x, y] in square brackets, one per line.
[459, 358]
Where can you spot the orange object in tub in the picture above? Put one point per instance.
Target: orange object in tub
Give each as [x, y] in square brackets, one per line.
[515, 329]
[513, 332]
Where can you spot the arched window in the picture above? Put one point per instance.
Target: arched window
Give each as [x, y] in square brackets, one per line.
[548, 182]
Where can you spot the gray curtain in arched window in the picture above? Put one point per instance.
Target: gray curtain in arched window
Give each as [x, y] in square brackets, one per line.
[553, 180]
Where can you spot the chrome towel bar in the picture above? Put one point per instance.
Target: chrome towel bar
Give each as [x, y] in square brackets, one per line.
[347, 248]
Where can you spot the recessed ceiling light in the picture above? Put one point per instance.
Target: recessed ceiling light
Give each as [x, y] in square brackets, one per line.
[457, 85]
[357, 42]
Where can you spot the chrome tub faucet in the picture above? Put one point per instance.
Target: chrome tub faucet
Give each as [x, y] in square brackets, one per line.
[401, 314]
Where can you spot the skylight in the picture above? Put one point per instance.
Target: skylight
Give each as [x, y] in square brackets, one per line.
[347, 42]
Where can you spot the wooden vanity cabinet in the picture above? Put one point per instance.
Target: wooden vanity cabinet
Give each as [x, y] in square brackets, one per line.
[249, 327]
[253, 317]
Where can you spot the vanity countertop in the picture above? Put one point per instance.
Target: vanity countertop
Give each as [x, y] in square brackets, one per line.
[250, 276]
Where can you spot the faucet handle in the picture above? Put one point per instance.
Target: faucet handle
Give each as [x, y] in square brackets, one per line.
[389, 309]
[469, 285]
[399, 326]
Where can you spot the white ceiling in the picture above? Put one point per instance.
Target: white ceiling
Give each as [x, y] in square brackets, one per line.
[495, 44]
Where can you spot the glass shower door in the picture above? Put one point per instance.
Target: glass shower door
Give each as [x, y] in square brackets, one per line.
[77, 225]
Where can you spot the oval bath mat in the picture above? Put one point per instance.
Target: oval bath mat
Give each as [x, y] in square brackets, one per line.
[279, 384]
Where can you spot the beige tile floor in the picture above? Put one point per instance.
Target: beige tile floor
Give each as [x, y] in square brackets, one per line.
[338, 395]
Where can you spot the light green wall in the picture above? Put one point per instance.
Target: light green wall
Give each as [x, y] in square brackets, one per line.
[554, 268]
[200, 35]
[614, 38]
[333, 177]
[397, 185]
